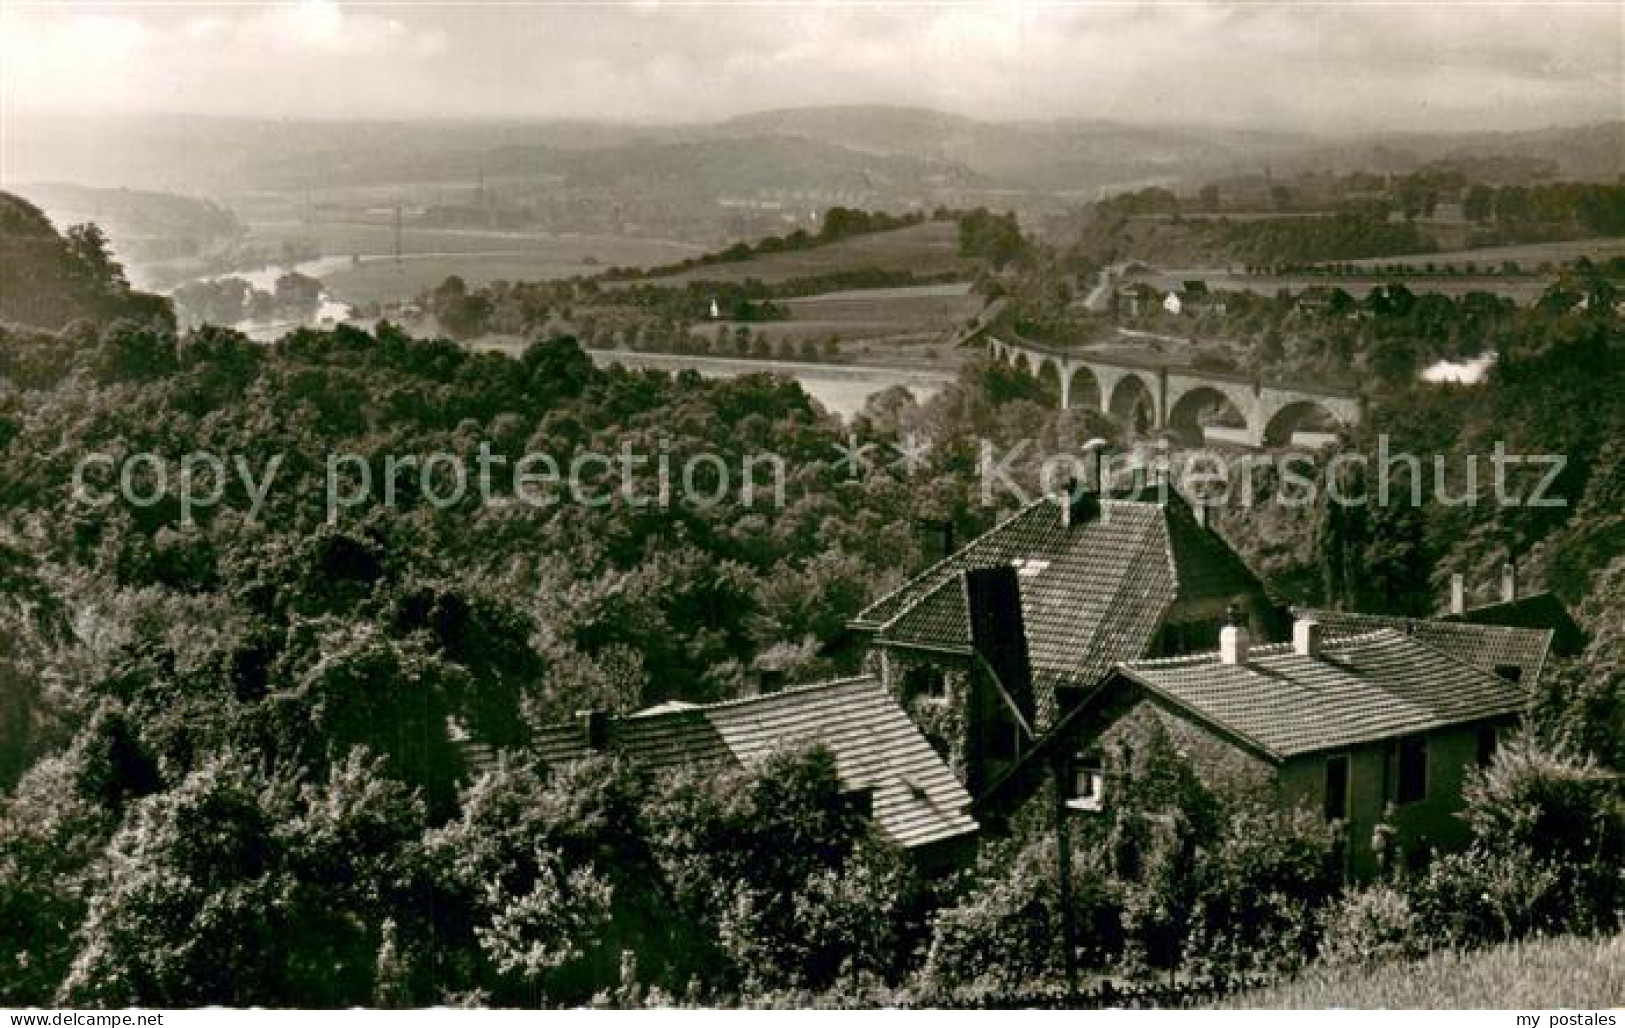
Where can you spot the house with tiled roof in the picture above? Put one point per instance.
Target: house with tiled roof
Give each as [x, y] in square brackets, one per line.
[1517, 654]
[993, 644]
[1371, 729]
[1538, 611]
[882, 758]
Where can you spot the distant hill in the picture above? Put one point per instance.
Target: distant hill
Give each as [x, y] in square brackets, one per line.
[48, 279]
[1581, 152]
[1074, 157]
[1071, 154]
[148, 230]
[1064, 155]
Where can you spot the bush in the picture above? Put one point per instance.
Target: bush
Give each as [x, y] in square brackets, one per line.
[1481, 897]
[1372, 926]
[1261, 892]
[1004, 936]
[1564, 822]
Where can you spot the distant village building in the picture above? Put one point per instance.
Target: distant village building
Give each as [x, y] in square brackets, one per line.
[1136, 299]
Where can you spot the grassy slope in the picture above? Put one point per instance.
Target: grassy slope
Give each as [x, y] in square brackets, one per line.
[928, 249]
[1552, 973]
[1528, 254]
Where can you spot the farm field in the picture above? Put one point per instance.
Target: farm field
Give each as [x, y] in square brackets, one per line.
[885, 326]
[430, 255]
[928, 249]
[1567, 973]
[1522, 288]
[343, 238]
[883, 311]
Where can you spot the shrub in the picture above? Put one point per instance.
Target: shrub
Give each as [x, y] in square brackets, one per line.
[1561, 818]
[1483, 896]
[1261, 892]
[1372, 926]
[1004, 936]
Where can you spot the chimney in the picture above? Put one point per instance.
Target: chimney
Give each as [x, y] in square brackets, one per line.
[993, 600]
[943, 528]
[1307, 636]
[594, 729]
[1509, 582]
[1234, 641]
[1458, 594]
[1097, 449]
[1077, 505]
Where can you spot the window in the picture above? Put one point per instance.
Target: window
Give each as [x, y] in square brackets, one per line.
[1511, 672]
[1086, 783]
[1413, 770]
[924, 680]
[1488, 739]
[1337, 788]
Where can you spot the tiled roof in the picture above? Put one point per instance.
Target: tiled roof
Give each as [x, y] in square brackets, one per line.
[917, 799]
[1537, 610]
[1092, 594]
[1361, 689]
[1490, 647]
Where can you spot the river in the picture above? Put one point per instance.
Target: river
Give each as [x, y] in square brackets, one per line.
[842, 389]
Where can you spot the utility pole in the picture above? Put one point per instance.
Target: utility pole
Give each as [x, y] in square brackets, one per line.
[1063, 875]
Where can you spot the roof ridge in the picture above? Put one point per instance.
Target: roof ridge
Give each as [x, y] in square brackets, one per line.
[793, 690]
[1271, 649]
[1178, 660]
[1445, 623]
[1365, 636]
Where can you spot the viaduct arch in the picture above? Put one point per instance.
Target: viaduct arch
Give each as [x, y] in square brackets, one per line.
[1181, 399]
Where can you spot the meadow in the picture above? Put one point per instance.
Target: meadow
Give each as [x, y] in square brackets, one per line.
[1563, 973]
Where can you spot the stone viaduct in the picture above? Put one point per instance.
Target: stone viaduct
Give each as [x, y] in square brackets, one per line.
[1176, 397]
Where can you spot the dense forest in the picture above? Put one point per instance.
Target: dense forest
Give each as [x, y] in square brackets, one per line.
[273, 750]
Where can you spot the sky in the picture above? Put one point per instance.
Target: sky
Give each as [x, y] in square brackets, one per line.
[1351, 65]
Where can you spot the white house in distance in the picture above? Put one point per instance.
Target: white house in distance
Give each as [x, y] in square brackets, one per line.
[1172, 303]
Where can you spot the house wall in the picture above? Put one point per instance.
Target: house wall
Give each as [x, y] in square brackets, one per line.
[1222, 768]
[1232, 772]
[1421, 826]
[965, 720]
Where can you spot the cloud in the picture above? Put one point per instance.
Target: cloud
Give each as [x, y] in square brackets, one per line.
[1361, 65]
